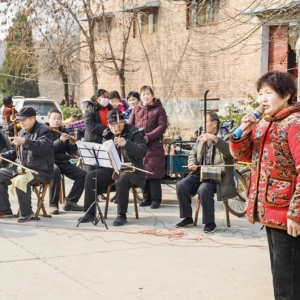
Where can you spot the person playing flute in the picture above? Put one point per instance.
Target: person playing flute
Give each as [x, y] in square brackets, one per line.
[64, 147]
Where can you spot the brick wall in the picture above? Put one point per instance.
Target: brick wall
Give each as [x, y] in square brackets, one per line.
[224, 59]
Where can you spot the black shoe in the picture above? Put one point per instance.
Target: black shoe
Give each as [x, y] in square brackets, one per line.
[6, 214]
[120, 220]
[86, 218]
[72, 206]
[187, 222]
[113, 199]
[155, 205]
[210, 228]
[145, 203]
[25, 218]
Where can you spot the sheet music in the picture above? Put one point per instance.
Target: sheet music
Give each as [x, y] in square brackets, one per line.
[106, 154]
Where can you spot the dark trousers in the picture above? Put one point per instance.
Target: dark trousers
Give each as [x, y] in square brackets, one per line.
[24, 198]
[152, 191]
[104, 178]
[191, 185]
[72, 172]
[285, 263]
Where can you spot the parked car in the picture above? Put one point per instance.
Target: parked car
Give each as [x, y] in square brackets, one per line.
[42, 105]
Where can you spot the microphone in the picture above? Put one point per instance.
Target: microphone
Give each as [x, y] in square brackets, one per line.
[240, 130]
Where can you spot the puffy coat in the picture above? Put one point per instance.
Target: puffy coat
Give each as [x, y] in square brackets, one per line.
[221, 156]
[135, 148]
[62, 150]
[93, 126]
[37, 152]
[153, 120]
[274, 149]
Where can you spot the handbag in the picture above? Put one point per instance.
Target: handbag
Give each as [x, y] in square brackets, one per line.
[211, 174]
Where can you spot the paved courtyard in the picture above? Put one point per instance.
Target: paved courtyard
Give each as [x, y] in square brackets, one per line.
[145, 259]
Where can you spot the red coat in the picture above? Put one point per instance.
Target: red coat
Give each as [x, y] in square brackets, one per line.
[154, 121]
[274, 149]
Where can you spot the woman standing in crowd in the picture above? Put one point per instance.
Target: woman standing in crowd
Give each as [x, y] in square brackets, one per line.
[151, 116]
[95, 119]
[116, 101]
[133, 98]
[273, 147]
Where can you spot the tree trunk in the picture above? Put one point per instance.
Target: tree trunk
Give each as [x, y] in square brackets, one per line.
[65, 80]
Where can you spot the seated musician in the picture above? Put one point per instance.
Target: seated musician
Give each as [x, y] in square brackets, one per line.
[131, 144]
[64, 146]
[36, 153]
[217, 153]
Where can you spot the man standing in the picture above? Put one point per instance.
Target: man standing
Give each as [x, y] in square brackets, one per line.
[64, 147]
[132, 146]
[36, 153]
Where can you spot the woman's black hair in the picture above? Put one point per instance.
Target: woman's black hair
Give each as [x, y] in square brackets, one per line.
[134, 94]
[100, 92]
[114, 94]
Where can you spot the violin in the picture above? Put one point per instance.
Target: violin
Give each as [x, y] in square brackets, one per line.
[72, 139]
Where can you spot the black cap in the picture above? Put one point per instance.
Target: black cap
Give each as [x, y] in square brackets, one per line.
[26, 112]
[112, 115]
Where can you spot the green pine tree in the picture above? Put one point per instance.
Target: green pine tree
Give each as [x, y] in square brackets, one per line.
[18, 75]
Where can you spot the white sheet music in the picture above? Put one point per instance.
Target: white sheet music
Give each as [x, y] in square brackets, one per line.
[106, 154]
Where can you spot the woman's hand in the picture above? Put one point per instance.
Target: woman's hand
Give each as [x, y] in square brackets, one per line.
[249, 121]
[293, 228]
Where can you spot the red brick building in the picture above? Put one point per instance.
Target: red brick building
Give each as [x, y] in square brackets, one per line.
[183, 48]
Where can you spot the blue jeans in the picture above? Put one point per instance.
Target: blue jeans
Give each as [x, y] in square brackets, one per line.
[285, 263]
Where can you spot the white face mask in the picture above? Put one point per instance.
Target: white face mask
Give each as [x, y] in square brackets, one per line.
[103, 102]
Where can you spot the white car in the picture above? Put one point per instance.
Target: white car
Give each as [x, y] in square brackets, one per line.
[42, 105]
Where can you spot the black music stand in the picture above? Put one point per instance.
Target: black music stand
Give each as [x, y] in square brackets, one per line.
[91, 154]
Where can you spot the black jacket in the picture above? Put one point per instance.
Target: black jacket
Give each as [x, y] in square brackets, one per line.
[135, 148]
[37, 152]
[62, 150]
[93, 126]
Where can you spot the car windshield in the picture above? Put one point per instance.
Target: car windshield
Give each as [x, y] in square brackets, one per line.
[41, 108]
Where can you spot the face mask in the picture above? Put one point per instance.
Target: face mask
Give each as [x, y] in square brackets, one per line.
[103, 102]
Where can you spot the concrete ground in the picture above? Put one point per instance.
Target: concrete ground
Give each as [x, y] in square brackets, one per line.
[145, 259]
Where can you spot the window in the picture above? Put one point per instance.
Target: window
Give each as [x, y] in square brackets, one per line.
[100, 28]
[146, 22]
[202, 12]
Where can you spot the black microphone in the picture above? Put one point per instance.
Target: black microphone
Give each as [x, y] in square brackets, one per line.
[240, 130]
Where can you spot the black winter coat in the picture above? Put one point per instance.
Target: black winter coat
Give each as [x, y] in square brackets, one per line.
[93, 126]
[135, 148]
[37, 152]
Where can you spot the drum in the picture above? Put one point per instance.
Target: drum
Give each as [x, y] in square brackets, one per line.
[5, 145]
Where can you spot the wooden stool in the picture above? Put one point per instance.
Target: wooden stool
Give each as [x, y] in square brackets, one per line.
[134, 193]
[62, 189]
[40, 189]
[198, 203]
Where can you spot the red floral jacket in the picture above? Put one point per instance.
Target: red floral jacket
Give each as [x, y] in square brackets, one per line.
[273, 147]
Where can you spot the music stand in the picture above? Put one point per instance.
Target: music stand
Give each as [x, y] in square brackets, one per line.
[96, 155]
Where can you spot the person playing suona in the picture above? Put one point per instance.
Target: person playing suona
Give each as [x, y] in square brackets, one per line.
[151, 116]
[272, 145]
[210, 149]
[116, 101]
[131, 145]
[64, 147]
[133, 98]
[36, 153]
